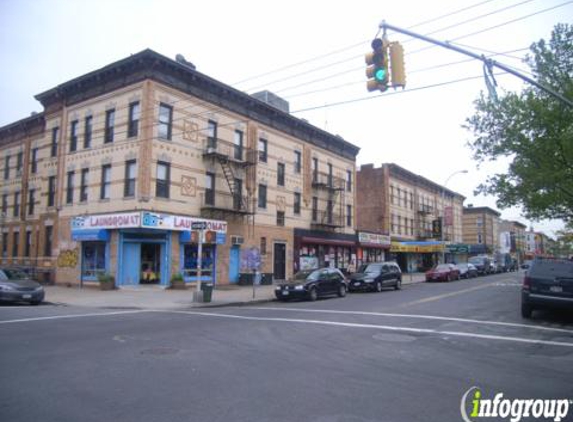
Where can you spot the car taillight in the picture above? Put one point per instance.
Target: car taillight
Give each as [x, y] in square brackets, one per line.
[526, 283]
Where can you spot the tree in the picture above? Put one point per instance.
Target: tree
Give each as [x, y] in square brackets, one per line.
[535, 132]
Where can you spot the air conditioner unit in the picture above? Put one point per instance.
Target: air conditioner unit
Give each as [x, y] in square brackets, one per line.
[237, 240]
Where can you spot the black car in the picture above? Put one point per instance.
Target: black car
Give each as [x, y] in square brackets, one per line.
[467, 270]
[547, 284]
[312, 284]
[376, 276]
[482, 264]
[17, 286]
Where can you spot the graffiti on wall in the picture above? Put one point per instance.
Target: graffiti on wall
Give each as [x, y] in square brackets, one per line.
[68, 258]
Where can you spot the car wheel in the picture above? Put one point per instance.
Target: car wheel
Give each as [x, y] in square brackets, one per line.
[378, 286]
[342, 290]
[449, 278]
[313, 294]
[398, 285]
[526, 310]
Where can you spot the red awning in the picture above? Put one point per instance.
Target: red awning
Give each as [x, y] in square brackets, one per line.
[318, 240]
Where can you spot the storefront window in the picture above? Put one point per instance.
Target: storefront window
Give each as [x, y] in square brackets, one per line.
[93, 259]
[190, 260]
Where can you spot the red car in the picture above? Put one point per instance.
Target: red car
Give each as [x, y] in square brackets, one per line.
[443, 272]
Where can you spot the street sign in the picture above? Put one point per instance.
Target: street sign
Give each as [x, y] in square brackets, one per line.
[199, 225]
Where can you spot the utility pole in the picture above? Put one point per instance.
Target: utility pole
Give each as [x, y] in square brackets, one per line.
[488, 62]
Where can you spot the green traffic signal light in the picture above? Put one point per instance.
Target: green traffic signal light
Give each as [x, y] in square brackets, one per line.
[380, 74]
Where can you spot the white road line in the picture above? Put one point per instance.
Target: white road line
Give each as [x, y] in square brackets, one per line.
[380, 327]
[430, 317]
[54, 317]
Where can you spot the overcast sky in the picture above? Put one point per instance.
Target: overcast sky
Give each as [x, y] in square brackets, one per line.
[310, 53]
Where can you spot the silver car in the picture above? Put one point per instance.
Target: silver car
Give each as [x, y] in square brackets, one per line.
[17, 286]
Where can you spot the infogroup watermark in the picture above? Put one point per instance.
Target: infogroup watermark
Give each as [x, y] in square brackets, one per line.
[475, 408]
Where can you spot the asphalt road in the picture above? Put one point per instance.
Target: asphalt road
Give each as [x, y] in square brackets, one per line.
[405, 355]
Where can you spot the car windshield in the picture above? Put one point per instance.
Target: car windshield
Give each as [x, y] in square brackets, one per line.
[552, 268]
[13, 274]
[476, 260]
[309, 275]
[372, 268]
[463, 266]
[442, 267]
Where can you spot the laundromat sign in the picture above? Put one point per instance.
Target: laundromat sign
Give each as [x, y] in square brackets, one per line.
[145, 219]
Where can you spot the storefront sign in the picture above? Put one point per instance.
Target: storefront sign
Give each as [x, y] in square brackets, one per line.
[374, 239]
[416, 247]
[458, 249]
[145, 219]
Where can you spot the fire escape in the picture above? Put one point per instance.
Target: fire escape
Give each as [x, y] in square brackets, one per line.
[238, 165]
[328, 219]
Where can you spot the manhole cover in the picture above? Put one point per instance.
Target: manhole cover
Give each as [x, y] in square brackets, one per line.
[402, 338]
[160, 351]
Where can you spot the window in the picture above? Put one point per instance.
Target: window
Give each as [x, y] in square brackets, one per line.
[15, 244]
[54, 145]
[4, 204]
[349, 180]
[329, 209]
[315, 169]
[34, 161]
[133, 119]
[19, 162]
[84, 185]
[296, 204]
[51, 191]
[262, 196]
[48, 234]
[238, 195]
[109, 126]
[7, 167]
[28, 244]
[210, 189]
[314, 208]
[280, 218]
[480, 239]
[31, 201]
[4, 245]
[93, 259]
[263, 245]
[297, 161]
[16, 204]
[70, 187]
[263, 150]
[349, 215]
[280, 174]
[105, 189]
[73, 136]
[163, 179]
[130, 175]
[211, 134]
[238, 145]
[329, 174]
[88, 128]
[165, 121]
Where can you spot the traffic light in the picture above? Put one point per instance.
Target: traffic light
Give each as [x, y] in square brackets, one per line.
[377, 70]
[437, 228]
[397, 71]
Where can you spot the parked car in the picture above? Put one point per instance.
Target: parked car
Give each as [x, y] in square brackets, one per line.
[17, 286]
[312, 284]
[443, 272]
[547, 284]
[375, 276]
[467, 270]
[482, 263]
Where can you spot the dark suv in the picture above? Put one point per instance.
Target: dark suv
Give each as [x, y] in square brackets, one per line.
[547, 284]
[375, 276]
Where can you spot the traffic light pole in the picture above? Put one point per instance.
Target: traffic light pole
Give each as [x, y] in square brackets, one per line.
[488, 62]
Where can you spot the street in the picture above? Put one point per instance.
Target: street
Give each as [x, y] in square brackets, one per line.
[406, 355]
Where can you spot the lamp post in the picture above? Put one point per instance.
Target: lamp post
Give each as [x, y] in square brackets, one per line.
[443, 211]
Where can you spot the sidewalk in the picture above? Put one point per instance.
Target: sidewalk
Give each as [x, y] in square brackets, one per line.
[156, 297]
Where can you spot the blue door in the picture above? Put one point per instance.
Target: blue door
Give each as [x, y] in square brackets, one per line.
[131, 262]
[234, 263]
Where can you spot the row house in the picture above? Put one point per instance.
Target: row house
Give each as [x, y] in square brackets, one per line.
[147, 167]
[409, 208]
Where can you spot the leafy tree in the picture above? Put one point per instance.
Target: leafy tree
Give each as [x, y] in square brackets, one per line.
[534, 131]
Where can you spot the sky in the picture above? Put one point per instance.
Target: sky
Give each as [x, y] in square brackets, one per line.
[309, 53]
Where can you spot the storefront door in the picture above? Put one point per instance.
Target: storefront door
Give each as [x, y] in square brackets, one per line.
[279, 261]
[131, 258]
[234, 263]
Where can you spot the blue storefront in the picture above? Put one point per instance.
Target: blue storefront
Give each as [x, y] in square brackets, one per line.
[144, 244]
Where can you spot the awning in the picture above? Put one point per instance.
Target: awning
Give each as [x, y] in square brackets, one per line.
[322, 241]
[417, 247]
[90, 234]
